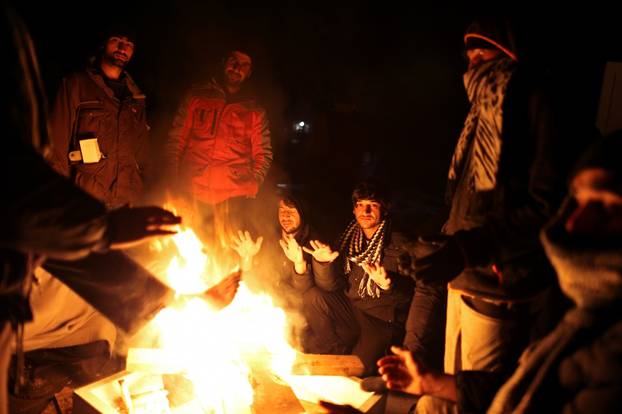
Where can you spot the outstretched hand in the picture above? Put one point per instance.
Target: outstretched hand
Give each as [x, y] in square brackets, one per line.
[222, 294]
[131, 225]
[321, 252]
[401, 372]
[244, 245]
[378, 274]
[293, 251]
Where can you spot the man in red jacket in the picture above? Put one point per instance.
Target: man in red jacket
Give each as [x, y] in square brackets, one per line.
[219, 147]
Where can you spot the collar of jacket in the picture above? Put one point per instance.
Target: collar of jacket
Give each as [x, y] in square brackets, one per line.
[97, 77]
[241, 96]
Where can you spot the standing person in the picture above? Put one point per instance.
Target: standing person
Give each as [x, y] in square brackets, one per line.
[99, 116]
[219, 148]
[505, 180]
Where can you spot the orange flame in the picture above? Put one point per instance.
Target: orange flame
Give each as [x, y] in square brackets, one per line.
[215, 350]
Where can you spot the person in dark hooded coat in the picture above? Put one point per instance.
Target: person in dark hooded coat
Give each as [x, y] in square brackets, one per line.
[506, 179]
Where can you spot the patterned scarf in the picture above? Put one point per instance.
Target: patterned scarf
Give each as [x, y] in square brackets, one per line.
[485, 85]
[352, 245]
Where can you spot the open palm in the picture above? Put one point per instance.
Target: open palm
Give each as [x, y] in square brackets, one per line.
[321, 252]
[244, 245]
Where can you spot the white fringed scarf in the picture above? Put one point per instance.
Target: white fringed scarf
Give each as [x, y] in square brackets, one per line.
[355, 249]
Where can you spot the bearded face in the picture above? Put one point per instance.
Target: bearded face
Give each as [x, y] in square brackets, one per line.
[289, 218]
[237, 69]
[118, 51]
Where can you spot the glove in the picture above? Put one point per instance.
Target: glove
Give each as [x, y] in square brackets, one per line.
[444, 263]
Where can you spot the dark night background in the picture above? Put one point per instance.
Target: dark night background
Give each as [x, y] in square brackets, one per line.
[379, 83]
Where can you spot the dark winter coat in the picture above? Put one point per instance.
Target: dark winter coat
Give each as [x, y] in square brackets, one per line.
[498, 228]
[86, 107]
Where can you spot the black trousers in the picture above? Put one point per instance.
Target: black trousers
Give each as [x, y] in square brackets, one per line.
[340, 328]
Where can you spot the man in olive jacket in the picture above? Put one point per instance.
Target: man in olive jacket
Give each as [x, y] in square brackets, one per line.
[102, 102]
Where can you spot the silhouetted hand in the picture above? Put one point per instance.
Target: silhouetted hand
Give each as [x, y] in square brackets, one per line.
[321, 252]
[222, 294]
[444, 263]
[401, 372]
[131, 225]
[331, 408]
[378, 274]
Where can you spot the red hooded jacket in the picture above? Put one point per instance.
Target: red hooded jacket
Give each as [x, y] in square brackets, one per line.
[219, 145]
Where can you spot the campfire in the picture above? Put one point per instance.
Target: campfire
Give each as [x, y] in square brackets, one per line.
[236, 360]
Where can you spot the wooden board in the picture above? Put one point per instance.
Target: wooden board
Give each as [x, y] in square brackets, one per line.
[318, 364]
[272, 395]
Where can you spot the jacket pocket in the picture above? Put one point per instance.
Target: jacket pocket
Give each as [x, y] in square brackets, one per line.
[92, 123]
[204, 122]
[92, 179]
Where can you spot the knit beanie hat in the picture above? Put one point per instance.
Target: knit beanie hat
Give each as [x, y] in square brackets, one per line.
[489, 34]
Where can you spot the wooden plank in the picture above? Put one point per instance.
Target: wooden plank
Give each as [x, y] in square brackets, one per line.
[272, 395]
[98, 397]
[319, 364]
